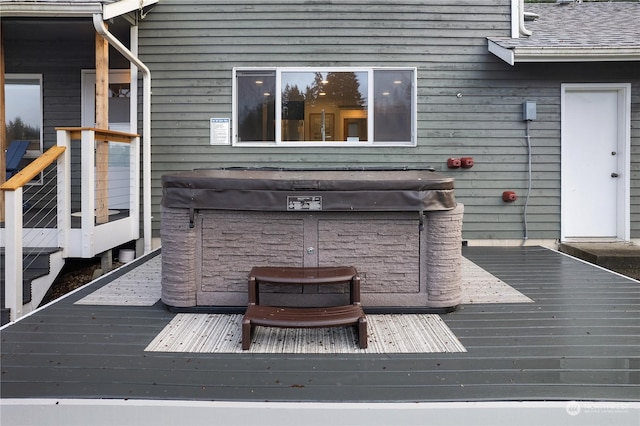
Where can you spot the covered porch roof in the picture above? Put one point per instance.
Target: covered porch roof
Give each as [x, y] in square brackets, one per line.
[574, 32]
[38, 20]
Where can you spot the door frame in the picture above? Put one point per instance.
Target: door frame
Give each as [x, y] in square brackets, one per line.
[88, 81]
[623, 217]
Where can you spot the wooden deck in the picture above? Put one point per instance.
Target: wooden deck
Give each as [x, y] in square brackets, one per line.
[578, 341]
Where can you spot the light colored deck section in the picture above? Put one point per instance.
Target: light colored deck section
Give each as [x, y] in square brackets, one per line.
[218, 333]
[141, 287]
[213, 333]
[479, 286]
[138, 287]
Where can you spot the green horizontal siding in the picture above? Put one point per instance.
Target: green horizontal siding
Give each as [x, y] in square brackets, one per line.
[192, 46]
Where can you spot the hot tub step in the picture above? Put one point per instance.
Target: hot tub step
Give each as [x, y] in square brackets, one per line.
[332, 316]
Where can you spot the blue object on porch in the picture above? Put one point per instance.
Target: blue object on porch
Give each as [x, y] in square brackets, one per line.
[15, 153]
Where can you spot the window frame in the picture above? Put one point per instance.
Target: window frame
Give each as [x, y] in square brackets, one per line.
[279, 143]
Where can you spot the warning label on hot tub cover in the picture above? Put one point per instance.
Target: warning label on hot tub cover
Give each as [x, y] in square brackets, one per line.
[312, 202]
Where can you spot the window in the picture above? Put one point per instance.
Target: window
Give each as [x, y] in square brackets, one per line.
[327, 106]
[23, 114]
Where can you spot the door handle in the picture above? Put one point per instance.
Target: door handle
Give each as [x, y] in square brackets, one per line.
[614, 175]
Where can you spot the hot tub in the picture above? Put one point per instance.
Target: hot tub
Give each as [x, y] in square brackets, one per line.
[400, 228]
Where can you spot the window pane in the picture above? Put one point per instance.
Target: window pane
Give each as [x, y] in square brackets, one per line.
[324, 106]
[119, 103]
[256, 106]
[392, 105]
[23, 112]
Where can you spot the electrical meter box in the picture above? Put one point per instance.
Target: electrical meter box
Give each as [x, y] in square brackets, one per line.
[529, 110]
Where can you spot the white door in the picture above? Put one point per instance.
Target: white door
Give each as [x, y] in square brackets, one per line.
[595, 170]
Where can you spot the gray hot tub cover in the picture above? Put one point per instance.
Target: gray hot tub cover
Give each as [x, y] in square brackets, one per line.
[328, 190]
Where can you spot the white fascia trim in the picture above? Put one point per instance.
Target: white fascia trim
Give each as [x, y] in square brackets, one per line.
[57, 9]
[122, 7]
[506, 55]
[563, 54]
[48, 9]
[576, 54]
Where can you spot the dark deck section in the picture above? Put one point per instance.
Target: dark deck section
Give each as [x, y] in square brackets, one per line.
[578, 341]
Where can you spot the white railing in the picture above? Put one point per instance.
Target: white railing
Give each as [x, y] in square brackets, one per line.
[91, 237]
[14, 230]
[97, 236]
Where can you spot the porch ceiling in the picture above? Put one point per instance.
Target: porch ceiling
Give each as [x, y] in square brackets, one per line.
[61, 29]
[57, 8]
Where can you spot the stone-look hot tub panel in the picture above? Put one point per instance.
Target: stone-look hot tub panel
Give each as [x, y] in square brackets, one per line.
[405, 258]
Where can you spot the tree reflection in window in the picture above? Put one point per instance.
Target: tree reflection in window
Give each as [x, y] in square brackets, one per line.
[23, 111]
[309, 98]
[359, 106]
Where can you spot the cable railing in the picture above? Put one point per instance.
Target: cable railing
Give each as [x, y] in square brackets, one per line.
[14, 224]
[70, 212]
[102, 178]
[40, 215]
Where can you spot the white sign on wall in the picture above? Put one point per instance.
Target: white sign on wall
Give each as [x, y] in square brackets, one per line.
[220, 131]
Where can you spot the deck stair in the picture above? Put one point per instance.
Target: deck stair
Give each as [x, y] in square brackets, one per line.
[42, 266]
[42, 225]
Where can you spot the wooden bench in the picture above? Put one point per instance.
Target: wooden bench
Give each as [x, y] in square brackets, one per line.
[332, 316]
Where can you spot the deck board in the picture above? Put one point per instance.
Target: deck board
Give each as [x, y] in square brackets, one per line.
[579, 340]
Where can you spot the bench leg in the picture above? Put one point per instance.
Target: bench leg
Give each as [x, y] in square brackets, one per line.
[362, 332]
[246, 334]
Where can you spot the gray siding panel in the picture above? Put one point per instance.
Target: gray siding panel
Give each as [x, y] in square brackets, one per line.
[191, 48]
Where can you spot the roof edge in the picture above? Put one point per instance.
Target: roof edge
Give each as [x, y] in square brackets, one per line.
[503, 53]
[577, 55]
[122, 7]
[513, 55]
[48, 9]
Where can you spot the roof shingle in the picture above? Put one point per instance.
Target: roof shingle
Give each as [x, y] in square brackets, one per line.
[594, 27]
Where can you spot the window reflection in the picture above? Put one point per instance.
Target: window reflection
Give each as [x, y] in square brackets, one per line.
[119, 103]
[357, 106]
[324, 106]
[23, 112]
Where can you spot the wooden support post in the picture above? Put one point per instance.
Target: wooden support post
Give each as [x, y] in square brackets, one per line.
[102, 147]
[102, 122]
[3, 130]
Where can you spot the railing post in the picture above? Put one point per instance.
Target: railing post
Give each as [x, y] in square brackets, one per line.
[13, 252]
[64, 192]
[88, 194]
[134, 186]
